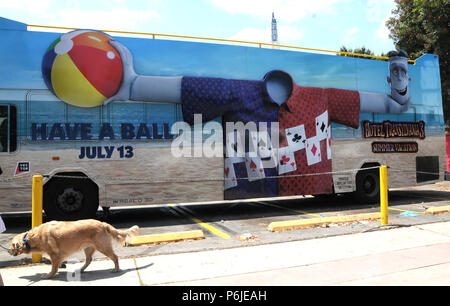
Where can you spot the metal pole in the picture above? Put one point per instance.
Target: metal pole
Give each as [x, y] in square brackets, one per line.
[36, 209]
[384, 195]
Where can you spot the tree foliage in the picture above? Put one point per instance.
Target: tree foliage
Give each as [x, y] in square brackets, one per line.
[362, 50]
[422, 26]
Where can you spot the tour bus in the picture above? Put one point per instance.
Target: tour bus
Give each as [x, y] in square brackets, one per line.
[115, 120]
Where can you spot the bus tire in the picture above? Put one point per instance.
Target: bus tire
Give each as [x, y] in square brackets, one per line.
[69, 199]
[367, 186]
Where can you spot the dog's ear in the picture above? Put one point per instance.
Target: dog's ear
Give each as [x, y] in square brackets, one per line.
[14, 241]
[18, 239]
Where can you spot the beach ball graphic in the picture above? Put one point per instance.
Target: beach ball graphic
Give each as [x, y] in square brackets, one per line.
[82, 68]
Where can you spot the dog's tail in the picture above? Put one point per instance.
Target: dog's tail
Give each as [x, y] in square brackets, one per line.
[122, 236]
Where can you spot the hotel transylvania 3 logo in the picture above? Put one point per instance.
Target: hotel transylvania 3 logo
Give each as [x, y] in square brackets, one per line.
[391, 129]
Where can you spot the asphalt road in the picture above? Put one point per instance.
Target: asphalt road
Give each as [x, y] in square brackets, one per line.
[244, 223]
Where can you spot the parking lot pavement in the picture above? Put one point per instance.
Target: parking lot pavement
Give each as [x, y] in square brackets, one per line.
[414, 255]
[234, 227]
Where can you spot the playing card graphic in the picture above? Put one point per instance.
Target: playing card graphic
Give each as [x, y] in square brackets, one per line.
[329, 143]
[313, 154]
[296, 137]
[261, 143]
[229, 173]
[286, 160]
[235, 147]
[322, 126]
[255, 169]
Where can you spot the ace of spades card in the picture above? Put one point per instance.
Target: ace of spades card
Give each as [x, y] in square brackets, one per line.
[255, 169]
[286, 160]
[235, 146]
[261, 141]
[296, 137]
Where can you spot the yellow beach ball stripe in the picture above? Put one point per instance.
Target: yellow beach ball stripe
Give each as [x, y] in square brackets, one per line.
[73, 87]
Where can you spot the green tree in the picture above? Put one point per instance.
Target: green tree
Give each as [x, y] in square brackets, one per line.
[422, 26]
[362, 50]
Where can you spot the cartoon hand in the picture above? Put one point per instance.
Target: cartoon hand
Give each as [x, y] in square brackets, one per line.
[394, 107]
[129, 75]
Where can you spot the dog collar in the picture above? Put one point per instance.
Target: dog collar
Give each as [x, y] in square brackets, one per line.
[25, 243]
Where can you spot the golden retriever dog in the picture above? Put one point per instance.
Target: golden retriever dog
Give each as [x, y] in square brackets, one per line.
[61, 239]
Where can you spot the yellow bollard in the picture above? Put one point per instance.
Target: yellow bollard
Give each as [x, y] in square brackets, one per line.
[384, 195]
[36, 208]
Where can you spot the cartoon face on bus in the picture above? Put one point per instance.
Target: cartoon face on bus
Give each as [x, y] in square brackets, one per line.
[398, 76]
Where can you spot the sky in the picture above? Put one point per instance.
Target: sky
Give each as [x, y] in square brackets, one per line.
[321, 24]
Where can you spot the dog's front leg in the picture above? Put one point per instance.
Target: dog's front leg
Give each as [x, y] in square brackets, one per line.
[56, 262]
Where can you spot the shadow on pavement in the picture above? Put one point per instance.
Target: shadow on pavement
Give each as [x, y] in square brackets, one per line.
[88, 275]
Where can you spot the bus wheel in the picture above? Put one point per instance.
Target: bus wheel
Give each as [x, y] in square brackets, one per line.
[68, 199]
[367, 186]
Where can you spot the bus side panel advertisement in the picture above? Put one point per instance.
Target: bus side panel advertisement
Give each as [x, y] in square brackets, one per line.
[189, 121]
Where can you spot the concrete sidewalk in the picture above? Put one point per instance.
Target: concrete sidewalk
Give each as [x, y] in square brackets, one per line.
[416, 255]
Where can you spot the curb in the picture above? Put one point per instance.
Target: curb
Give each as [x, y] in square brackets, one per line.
[305, 223]
[167, 237]
[437, 210]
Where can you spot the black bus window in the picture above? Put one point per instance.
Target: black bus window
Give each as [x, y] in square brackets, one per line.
[8, 129]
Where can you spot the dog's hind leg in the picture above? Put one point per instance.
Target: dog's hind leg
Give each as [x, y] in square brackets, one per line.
[108, 251]
[89, 251]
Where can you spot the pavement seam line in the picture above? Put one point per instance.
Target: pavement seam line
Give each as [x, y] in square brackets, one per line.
[141, 283]
[434, 232]
[385, 274]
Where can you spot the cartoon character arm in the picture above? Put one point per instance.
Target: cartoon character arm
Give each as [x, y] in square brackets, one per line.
[143, 88]
[214, 97]
[381, 103]
[343, 106]
[211, 97]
